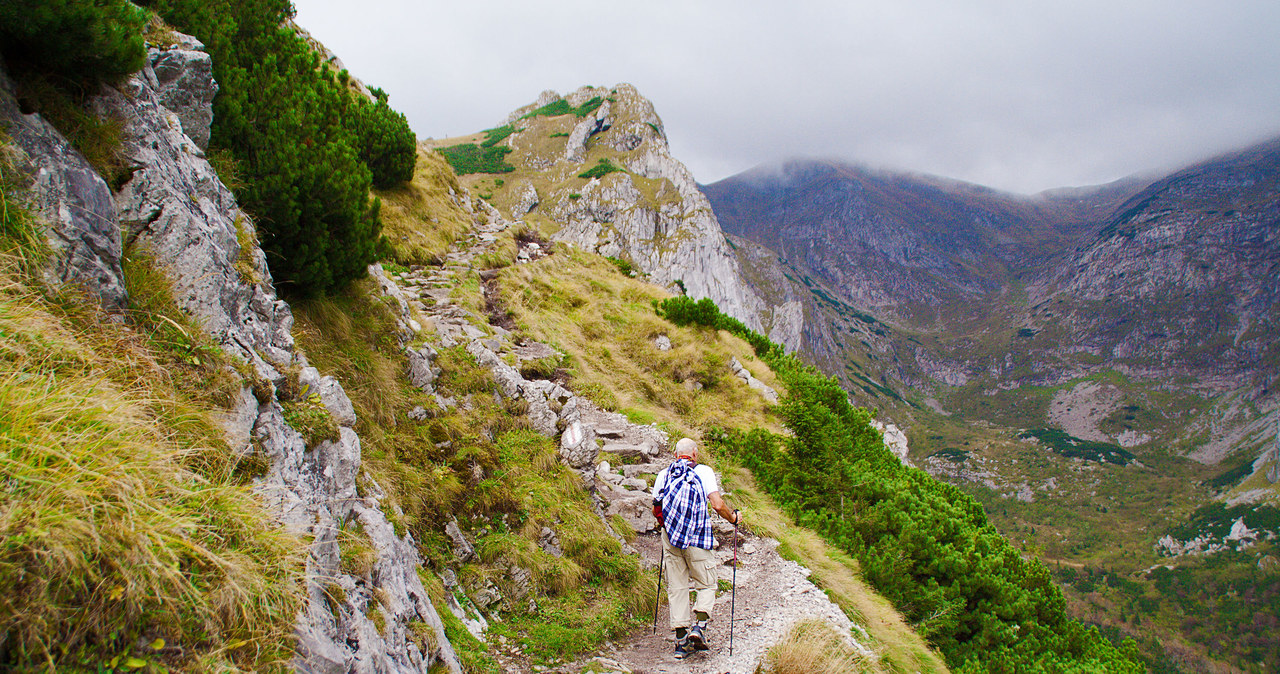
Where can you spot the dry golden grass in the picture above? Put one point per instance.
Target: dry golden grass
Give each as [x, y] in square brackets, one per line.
[121, 518]
[420, 218]
[605, 322]
[812, 647]
[899, 647]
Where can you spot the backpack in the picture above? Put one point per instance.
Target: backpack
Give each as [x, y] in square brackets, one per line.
[681, 506]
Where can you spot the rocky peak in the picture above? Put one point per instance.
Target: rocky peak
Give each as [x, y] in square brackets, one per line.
[594, 166]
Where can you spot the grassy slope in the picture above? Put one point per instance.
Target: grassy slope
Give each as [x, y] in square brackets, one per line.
[422, 217]
[604, 321]
[128, 533]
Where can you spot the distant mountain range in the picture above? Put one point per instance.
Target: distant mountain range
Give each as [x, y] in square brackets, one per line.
[1175, 277]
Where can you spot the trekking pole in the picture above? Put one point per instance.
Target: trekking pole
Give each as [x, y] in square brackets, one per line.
[662, 557]
[733, 600]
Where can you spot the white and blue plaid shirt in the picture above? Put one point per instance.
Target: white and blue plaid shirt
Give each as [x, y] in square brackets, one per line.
[684, 509]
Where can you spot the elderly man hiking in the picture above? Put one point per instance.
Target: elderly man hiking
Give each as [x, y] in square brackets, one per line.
[681, 495]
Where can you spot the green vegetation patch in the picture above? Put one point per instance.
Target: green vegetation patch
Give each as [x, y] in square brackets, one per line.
[310, 147]
[562, 107]
[601, 169]
[1075, 448]
[472, 158]
[1233, 476]
[497, 135]
[85, 42]
[1216, 519]
[953, 455]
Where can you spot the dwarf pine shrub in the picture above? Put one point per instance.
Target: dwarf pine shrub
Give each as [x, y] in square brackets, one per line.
[82, 42]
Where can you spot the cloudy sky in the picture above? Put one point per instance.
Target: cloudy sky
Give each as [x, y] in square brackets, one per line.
[1021, 95]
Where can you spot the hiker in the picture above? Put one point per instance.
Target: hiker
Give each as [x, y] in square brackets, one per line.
[681, 495]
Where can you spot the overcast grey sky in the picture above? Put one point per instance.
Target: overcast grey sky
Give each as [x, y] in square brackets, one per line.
[1021, 95]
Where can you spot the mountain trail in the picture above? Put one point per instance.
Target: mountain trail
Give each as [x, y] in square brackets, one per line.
[772, 594]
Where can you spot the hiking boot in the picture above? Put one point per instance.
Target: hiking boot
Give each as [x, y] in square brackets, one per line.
[697, 640]
[682, 648]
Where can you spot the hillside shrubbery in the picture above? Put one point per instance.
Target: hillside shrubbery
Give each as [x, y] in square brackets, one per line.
[79, 41]
[924, 544]
[308, 146]
[1075, 448]
[603, 168]
[387, 145]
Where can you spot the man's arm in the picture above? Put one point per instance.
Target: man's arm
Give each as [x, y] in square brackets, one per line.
[718, 504]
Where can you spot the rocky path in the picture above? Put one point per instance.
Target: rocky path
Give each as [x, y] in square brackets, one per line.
[772, 593]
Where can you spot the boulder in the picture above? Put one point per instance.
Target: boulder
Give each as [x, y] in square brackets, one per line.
[626, 451]
[462, 549]
[550, 543]
[636, 510]
[527, 201]
[422, 369]
[578, 447]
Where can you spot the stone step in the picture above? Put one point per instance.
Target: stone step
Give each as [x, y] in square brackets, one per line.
[627, 450]
[637, 469]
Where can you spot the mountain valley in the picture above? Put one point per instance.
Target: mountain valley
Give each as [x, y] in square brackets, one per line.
[1096, 365]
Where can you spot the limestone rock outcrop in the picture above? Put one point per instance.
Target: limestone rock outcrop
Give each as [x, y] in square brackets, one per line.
[64, 191]
[649, 212]
[184, 85]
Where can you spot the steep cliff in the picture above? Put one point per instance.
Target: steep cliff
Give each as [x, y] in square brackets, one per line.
[173, 208]
[594, 169]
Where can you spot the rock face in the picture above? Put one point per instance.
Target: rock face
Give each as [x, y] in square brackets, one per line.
[897, 244]
[1181, 276]
[895, 440]
[185, 85]
[68, 194]
[174, 208]
[650, 213]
